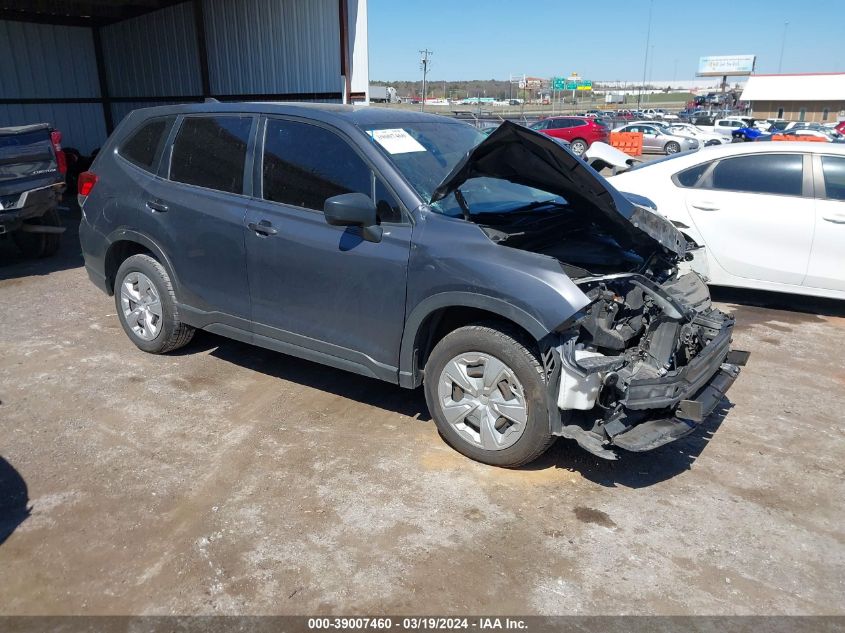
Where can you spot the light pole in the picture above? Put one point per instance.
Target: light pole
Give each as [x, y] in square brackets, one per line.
[782, 46]
[424, 62]
[645, 61]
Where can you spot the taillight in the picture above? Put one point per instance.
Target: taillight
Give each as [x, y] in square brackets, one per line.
[61, 159]
[86, 182]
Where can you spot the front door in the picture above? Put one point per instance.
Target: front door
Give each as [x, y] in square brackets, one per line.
[827, 260]
[322, 290]
[754, 216]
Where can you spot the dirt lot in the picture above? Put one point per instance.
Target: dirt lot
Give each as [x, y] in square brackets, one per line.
[228, 479]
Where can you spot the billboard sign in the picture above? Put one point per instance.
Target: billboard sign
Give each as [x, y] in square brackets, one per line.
[721, 65]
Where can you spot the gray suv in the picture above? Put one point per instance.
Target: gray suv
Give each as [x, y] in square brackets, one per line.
[528, 296]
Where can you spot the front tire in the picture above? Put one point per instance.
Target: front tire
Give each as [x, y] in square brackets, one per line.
[487, 394]
[146, 306]
[672, 147]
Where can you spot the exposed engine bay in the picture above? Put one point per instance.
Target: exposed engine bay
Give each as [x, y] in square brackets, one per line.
[638, 362]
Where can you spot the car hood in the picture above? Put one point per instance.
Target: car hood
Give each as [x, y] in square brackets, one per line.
[525, 157]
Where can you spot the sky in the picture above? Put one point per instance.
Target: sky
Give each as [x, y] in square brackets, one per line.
[490, 39]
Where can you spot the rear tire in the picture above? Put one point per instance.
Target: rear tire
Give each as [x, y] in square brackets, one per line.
[672, 147]
[37, 245]
[147, 308]
[578, 146]
[516, 387]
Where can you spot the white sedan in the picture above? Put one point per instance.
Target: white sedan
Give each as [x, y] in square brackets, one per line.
[705, 138]
[771, 215]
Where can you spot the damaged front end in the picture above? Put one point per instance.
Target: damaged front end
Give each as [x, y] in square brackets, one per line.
[643, 363]
[648, 357]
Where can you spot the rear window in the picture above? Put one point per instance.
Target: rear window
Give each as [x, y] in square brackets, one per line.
[210, 152]
[142, 147]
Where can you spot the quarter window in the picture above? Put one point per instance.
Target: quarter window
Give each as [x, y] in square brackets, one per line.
[210, 152]
[304, 164]
[142, 147]
[691, 177]
[834, 177]
[780, 174]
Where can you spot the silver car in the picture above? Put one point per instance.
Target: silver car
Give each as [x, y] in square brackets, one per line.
[657, 139]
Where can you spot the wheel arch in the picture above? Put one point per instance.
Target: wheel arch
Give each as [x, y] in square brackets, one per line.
[440, 314]
[125, 243]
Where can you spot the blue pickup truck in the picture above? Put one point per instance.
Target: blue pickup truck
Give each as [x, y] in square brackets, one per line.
[32, 181]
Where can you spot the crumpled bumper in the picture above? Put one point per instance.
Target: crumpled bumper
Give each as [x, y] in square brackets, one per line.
[688, 414]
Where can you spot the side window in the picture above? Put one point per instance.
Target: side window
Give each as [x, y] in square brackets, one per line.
[209, 152]
[559, 124]
[834, 177]
[576, 122]
[142, 147]
[387, 206]
[305, 164]
[690, 177]
[780, 174]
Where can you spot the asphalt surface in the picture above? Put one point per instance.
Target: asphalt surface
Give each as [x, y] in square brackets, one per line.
[229, 479]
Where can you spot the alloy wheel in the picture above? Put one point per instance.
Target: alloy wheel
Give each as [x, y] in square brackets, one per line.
[141, 305]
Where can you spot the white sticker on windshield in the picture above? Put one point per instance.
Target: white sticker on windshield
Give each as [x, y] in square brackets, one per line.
[396, 141]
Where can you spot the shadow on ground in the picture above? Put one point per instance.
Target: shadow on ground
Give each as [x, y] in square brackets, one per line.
[632, 470]
[361, 389]
[799, 306]
[14, 500]
[13, 265]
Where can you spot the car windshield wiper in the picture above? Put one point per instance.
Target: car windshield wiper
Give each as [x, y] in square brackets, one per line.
[526, 208]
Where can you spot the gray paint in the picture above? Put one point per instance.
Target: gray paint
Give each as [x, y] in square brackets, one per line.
[315, 290]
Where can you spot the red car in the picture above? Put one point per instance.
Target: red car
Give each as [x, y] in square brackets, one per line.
[840, 127]
[580, 131]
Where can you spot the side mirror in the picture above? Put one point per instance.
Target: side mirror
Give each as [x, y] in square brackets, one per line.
[354, 209]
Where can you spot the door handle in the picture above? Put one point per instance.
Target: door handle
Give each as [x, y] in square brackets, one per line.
[156, 207]
[836, 218]
[264, 228]
[705, 206]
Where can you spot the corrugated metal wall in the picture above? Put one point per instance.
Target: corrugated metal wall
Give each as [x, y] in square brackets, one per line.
[255, 47]
[273, 46]
[154, 55]
[41, 61]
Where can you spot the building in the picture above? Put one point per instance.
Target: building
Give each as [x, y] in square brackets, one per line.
[812, 97]
[82, 66]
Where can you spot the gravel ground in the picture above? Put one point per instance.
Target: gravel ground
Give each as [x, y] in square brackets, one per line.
[229, 479]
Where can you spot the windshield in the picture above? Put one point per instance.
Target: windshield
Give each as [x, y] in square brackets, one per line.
[425, 153]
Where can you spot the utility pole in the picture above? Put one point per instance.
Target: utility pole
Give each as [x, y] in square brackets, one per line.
[782, 46]
[645, 61]
[424, 63]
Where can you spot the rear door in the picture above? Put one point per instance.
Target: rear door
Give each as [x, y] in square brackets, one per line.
[756, 215]
[827, 260]
[315, 287]
[196, 214]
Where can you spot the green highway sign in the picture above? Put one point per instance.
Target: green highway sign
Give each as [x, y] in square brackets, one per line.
[558, 83]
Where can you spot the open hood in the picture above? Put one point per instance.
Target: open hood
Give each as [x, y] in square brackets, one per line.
[525, 157]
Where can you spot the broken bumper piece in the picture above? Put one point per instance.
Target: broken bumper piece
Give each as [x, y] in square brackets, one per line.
[689, 414]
